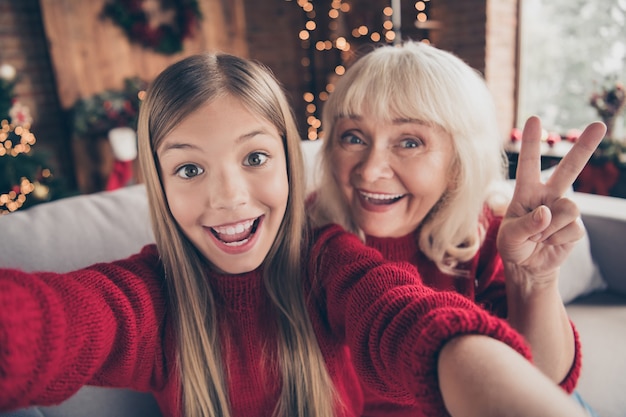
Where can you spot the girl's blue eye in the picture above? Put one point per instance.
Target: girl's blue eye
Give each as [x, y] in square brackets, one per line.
[256, 159]
[189, 171]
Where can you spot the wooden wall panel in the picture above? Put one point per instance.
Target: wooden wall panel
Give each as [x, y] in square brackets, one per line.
[90, 54]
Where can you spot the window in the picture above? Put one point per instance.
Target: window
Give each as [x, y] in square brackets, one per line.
[569, 49]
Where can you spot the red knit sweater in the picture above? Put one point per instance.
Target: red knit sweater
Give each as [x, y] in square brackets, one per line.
[109, 325]
[484, 284]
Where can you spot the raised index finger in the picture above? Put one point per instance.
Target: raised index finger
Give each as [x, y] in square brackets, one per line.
[575, 160]
[528, 172]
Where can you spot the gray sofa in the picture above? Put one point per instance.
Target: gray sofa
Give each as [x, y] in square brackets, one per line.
[77, 231]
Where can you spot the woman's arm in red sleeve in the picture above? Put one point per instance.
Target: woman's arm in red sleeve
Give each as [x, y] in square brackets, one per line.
[527, 314]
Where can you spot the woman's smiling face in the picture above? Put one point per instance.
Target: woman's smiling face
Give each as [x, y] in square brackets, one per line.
[391, 173]
[225, 178]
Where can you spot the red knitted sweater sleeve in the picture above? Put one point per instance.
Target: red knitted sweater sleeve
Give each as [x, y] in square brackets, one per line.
[394, 325]
[97, 326]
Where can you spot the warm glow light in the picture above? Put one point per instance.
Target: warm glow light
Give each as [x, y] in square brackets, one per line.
[305, 62]
[340, 70]
[422, 17]
[333, 14]
[388, 11]
[310, 108]
[341, 43]
[363, 30]
[323, 96]
[345, 7]
[390, 36]
[388, 25]
[304, 35]
[308, 97]
[308, 7]
[319, 45]
[375, 36]
[420, 6]
[355, 33]
[310, 25]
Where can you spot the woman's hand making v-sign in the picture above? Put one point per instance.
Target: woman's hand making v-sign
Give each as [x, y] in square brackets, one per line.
[538, 232]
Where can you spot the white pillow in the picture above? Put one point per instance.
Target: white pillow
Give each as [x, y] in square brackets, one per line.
[580, 274]
[75, 232]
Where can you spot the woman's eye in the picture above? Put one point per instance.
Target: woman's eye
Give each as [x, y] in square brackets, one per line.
[411, 143]
[348, 139]
[256, 159]
[189, 171]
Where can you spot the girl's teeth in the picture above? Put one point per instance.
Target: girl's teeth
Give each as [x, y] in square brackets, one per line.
[232, 230]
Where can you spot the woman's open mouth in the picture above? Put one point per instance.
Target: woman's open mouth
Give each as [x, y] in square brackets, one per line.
[380, 199]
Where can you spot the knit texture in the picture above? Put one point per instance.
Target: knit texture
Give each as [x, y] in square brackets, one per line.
[484, 283]
[108, 325]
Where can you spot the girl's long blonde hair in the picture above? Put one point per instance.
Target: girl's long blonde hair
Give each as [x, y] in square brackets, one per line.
[180, 89]
[420, 82]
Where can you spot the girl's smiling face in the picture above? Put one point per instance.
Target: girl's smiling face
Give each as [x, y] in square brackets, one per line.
[225, 179]
[391, 173]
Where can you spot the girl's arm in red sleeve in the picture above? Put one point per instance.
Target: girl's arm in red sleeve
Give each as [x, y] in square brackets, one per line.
[101, 325]
[394, 325]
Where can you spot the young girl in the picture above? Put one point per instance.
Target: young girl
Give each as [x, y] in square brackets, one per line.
[411, 155]
[237, 310]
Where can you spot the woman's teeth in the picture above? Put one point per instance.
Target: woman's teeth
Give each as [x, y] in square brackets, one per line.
[375, 198]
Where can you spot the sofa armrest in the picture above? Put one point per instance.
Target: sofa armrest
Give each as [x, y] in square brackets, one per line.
[605, 220]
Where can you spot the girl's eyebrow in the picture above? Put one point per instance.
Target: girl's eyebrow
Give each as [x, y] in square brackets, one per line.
[181, 145]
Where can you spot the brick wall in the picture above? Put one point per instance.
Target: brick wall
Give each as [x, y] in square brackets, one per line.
[23, 45]
[482, 32]
[273, 27]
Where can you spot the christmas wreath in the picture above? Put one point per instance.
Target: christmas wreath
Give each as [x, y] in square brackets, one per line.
[161, 25]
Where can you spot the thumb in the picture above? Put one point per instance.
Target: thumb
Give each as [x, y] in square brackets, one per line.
[534, 223]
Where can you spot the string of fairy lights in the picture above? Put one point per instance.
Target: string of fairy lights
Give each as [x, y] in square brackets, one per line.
[332, 37]
[10, 147]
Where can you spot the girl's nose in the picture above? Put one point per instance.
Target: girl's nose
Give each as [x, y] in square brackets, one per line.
[375, 165]
[228, 191]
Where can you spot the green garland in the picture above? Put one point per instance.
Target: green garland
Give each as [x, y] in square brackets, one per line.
[166, 38]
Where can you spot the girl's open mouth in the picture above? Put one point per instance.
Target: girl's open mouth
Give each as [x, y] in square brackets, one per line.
[236, 234]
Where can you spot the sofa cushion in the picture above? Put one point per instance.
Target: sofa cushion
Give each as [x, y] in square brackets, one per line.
[74, 232]
[605, 218]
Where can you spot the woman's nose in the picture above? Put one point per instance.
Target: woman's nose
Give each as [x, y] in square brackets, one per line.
[375, 165]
